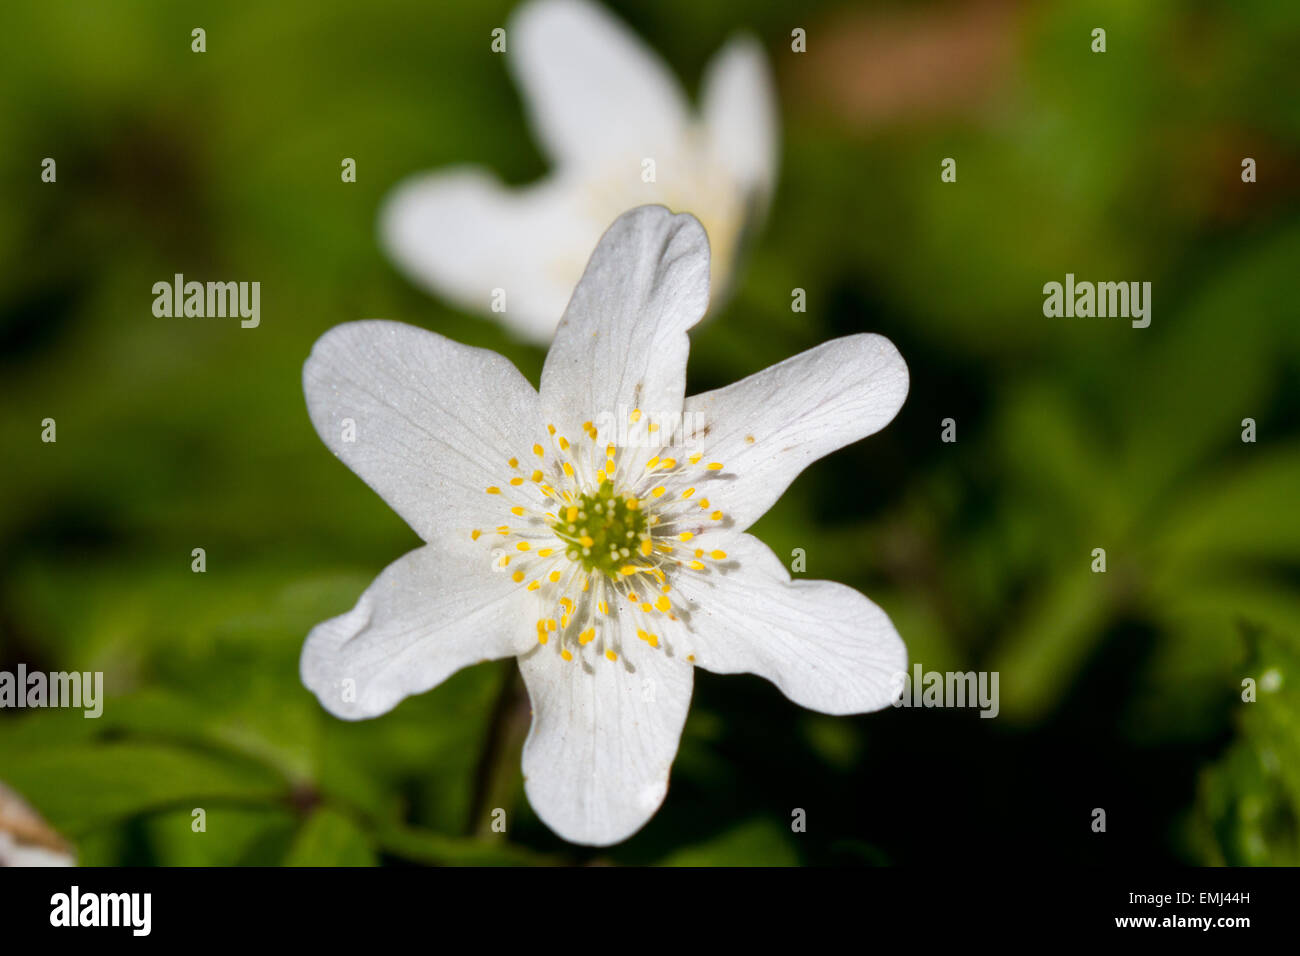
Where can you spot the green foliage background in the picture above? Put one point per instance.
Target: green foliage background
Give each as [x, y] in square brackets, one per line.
[1120, 691]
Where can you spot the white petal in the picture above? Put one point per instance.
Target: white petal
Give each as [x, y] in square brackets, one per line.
[602, 743]
[622, 344]
[15, 853]
[428, 614]
[767, 428]
[26, 839]
[597, 96]
[740, 118]
[435, 422]
[462, 234]
[824, 645]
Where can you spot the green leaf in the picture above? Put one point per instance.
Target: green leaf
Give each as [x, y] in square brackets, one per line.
[1248, 807]
[330, 838]
[434, 849]
[758, 842]
[84, 786]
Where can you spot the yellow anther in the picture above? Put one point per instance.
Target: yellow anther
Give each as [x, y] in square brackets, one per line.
[611, 655]
[695, 459]
[545, 552]
[517, 511]
[564, 443]
[493, 490]
[651, 463]
[514, 462]
[627, 569]
[714, 466]
[550, 623]
[568, 469]
[587, 636]
[523, 546]
[535, 476]
[534, 585]
[662, 603]
[516, 481]
[646, 608]
[504, 529]
[685, 536]
[539, 451]
[718, 555]
[567, 604]
[653, 640]
[550, 429]
[635, 416]
[566, 654]
[704, 503]
[555, 576]
[716, 516]
[647, 546]
[474, 535]
[696, 565]
[658, 492]
[542, 638]
[604, 608]
[586, 541]
[517, 576]
[668, 464]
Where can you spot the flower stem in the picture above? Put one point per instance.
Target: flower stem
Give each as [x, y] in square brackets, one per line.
[497, 779]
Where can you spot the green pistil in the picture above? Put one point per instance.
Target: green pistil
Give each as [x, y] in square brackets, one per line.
[614, 527]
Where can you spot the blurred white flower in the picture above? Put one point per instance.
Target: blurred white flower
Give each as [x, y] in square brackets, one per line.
[596, 530]
[609, 114]
[25, 838]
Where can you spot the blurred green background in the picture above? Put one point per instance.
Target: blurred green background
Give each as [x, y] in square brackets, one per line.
[1119, 690]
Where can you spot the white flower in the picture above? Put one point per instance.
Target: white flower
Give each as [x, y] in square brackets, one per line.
[602, 104]
[25, 838]
[611, 569]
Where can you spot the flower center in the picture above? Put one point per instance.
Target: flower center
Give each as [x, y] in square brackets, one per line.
[602, 530]
[598, 531]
